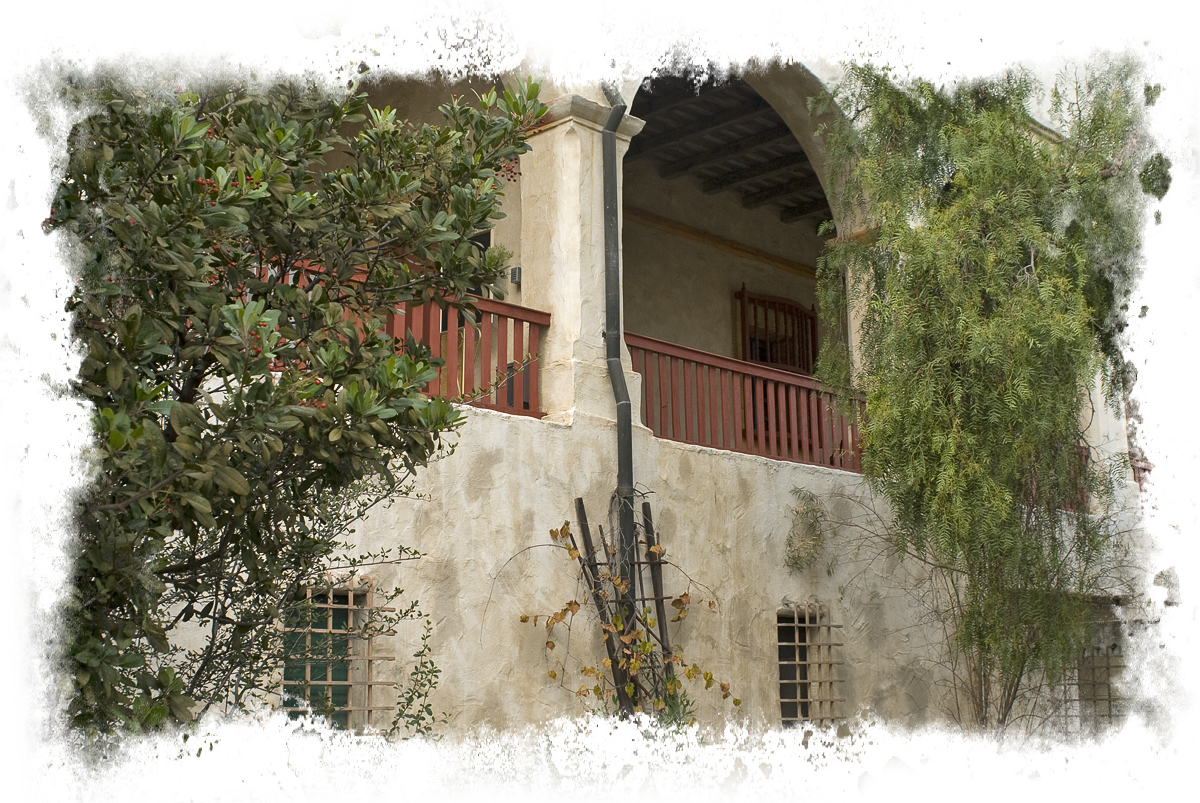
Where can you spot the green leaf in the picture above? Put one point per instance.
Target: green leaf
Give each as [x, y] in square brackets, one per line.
[232, 479]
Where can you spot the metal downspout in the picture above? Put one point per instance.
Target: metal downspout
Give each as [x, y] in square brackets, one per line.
[612, 336]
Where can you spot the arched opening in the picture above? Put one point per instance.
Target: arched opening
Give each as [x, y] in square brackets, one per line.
[723, 194]
[720, 195]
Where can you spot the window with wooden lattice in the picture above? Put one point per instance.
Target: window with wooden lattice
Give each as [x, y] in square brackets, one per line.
[330, 669]
[808, 654]
[1092, 700]
[776, 331]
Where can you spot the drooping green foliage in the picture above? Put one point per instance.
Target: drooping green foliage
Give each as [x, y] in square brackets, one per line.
[986, 287]
[230, 303]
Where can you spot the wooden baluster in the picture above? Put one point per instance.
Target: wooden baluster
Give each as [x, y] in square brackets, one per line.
[518, 381]
[768, 404]
[535, 400]
[450, 371]
[486, 376]
[432, 337]
[739, 430]
[726, 400]
[502, 360]
[826, 431]
[664, 396]
[470, 377]
[676, 399]
[714, 407]
[794, 421]
[781, 431]
[689, 402]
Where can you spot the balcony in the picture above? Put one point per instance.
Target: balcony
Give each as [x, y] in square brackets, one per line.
[493, 364]
[696, 397]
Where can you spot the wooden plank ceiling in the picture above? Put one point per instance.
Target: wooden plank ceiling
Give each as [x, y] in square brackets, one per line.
[728, 139]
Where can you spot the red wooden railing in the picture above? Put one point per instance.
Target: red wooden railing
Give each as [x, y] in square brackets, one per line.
[493, 365]
[697, 397]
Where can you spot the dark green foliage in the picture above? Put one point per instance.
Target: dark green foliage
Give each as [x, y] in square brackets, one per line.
[229, 305]
[987, 288]
[1156, 176]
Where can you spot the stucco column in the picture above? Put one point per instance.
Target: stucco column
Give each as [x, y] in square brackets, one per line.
[562, 255]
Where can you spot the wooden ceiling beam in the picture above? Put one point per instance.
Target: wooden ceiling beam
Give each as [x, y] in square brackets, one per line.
[730, 151]
[804, 210]
[697, 128]
[757, 199]
[672, 98]
[788, 161]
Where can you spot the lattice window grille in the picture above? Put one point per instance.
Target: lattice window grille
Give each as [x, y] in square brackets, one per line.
[330, 668]
[1093, 701]
[807, 649]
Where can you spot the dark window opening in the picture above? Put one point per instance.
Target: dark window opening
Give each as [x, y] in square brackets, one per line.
[777, 332]
[806, 665]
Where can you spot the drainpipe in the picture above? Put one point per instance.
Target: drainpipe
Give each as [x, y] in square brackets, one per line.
[627, 549]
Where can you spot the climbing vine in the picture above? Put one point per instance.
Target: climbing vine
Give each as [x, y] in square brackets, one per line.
[642, 672]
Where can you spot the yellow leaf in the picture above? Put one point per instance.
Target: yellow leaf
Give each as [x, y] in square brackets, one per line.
[574, 553]
[657, 550]
[607, 663]
[549, 645]
[524, 618]
[736, 701]
[552, 673]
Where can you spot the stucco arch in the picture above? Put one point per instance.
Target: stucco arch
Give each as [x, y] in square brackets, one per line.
[718, 199]
[788, 88]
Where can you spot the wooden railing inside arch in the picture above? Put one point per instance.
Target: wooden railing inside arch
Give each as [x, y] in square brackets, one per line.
[493, 364]
[696, 397]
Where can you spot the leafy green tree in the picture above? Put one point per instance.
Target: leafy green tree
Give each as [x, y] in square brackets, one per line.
[987, 288]
[232, 294]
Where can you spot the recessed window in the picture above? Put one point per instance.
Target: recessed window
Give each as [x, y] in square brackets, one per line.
[1093, 701]
[776, 331]
[329, 668]
[806, 665]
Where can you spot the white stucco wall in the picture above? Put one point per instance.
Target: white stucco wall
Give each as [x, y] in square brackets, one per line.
[723, 519]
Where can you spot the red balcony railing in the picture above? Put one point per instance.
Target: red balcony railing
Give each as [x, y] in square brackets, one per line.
[696, 397]
[493, 365]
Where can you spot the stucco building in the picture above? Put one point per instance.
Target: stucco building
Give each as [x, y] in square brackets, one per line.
[716, 193]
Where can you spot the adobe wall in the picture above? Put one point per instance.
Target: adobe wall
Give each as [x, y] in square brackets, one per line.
[723, 519]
